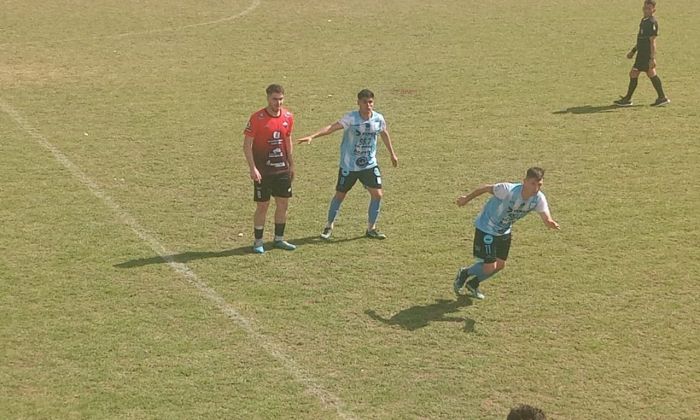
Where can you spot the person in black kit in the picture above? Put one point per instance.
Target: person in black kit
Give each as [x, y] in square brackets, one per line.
[526, 412]
[646, 57]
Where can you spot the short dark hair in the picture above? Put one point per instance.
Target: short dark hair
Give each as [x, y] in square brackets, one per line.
[652, 2]
[526, 412]
[535, 172]
[274, 88]
[365, 94]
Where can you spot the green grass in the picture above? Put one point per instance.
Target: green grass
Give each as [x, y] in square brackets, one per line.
[596, 321]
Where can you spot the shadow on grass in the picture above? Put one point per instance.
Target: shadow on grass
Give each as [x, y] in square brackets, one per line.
[186, 257]
[421, 315]
[589, 109]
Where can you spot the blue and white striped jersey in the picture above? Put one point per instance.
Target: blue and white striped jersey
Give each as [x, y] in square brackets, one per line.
[358, 150]
[506, 207]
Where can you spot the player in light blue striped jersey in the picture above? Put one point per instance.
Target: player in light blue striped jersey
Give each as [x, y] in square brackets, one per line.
[358, 159]
[510, 202]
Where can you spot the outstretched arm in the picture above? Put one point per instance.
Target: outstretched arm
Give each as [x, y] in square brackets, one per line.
[322, 132]
[548, 221]
[464, 199]
[387, 142]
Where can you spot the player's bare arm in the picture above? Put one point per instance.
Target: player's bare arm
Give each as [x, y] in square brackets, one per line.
[652, 55]
[248, 152]
[386, 139]
[548, 221]
[290, 156]
[632, 52]
[464, 199]
[322, 132]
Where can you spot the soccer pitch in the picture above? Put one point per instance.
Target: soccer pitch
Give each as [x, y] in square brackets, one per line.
[127, 291]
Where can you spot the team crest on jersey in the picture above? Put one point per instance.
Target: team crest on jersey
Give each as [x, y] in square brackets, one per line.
[261, 115]
[285, 125]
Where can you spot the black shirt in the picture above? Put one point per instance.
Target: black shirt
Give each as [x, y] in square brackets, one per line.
[648, 27]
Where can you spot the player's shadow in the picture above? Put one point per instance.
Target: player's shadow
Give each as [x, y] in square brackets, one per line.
[588, 109]
[185, 257]
[420, 316]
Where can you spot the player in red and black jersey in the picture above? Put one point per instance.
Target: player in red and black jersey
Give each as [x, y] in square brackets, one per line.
[646, 57]
[267, 146]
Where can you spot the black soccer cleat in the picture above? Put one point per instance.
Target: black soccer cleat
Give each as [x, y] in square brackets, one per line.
[375, 234]
[326, 234]
[661, 102]
[623, 101]
[460, 279]
[473, 287]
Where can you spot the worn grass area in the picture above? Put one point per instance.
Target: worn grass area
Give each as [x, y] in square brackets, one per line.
[596, 321]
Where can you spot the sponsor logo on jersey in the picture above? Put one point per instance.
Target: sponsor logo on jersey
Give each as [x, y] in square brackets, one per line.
[361, 161]
[275, 164]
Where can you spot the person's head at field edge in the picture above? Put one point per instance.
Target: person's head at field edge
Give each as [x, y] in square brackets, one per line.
[649, 8]
[526, 412]
[275, 98]
[534, 178]
[365, 100]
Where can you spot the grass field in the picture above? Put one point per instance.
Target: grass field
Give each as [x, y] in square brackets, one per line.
[126, 290]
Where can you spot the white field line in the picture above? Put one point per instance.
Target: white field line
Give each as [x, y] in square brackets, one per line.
[328, 400]
[254, 5]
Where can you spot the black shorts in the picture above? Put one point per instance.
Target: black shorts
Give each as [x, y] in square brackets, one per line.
[371, 178]
[641, 63]
[491, 247]
[279, 185]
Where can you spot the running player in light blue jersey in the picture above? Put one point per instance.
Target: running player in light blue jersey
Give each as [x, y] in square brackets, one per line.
[358, 159]
[510, 203]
